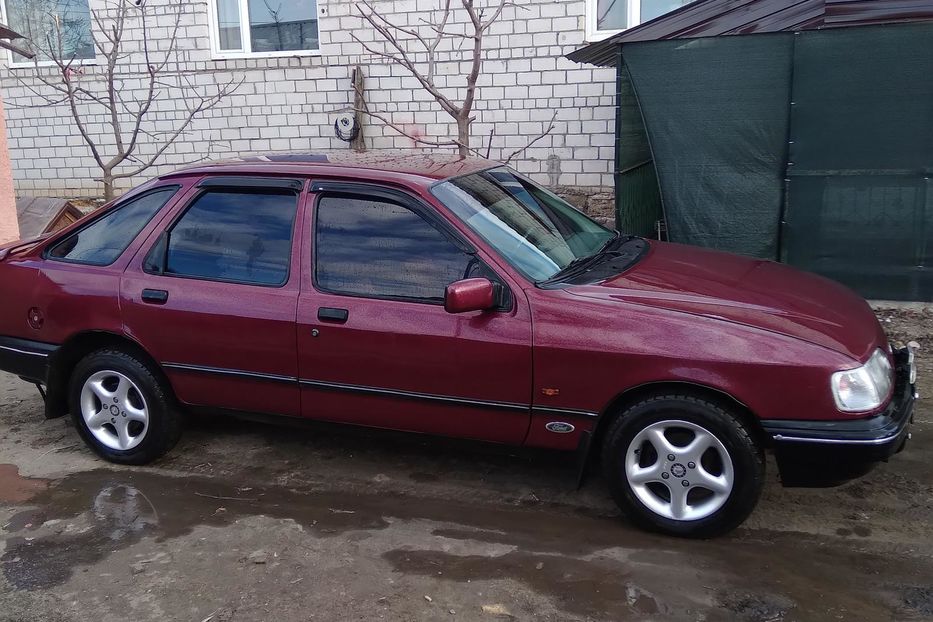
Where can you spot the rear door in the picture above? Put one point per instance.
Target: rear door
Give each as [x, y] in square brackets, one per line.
[375, 345]
[214, 296]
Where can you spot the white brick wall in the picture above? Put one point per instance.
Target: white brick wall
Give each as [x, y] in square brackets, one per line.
[289, 103]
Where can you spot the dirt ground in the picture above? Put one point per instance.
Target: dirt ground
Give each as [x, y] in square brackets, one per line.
[244, 521]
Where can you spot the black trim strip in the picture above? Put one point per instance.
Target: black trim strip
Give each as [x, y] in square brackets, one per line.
[570, 412]
[235, 181]
[354, 388]
[27, 346]
[26, 358]
[221, 371]
[26, 352]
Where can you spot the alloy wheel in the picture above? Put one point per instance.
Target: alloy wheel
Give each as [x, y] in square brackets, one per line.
[679, 470]
[114, 410]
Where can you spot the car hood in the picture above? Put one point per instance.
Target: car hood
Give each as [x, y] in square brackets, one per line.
[753, 292]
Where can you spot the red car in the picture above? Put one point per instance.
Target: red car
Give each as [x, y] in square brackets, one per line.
[451, 297]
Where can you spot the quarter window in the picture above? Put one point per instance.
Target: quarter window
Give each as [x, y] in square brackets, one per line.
[265, 27]
[379, 249]
[238, 236]
[104, 240]
[58, 29]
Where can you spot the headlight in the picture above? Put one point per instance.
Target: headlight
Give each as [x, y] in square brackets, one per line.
[866, 387]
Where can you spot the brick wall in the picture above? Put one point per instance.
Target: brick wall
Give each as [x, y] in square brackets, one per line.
[289, 103]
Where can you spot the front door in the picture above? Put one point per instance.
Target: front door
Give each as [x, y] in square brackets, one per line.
[214, 297]
[375, 345]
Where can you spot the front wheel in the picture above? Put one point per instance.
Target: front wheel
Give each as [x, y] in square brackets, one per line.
[121, 408]
[683, 466]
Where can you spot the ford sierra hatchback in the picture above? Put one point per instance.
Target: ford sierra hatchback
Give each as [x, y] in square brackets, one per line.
[451, 297]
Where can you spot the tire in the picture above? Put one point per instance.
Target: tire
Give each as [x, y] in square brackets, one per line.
[121, 408]
[656, 493]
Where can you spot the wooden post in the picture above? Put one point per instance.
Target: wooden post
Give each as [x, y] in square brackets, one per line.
[359, 103]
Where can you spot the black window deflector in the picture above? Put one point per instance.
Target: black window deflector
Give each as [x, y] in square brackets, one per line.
[369, 191]
[293, 185]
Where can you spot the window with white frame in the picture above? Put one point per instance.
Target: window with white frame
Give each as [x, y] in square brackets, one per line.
[608, 17]
[53, 29]
[264, 27]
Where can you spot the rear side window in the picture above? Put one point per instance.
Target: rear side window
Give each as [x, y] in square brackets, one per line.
[105, 239]
[379, 249]
[242, 236]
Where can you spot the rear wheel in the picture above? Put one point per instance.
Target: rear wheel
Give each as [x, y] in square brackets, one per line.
[683, 466]
[121, 409]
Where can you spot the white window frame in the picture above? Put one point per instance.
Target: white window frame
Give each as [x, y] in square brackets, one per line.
[21, 64]
[245, 41]
[633, 17]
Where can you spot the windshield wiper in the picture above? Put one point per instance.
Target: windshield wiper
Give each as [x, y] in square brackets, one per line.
[608, 244]
[581, 263]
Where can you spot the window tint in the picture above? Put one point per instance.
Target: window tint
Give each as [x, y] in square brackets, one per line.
[383, 250]
[105, 239]
[242, 236]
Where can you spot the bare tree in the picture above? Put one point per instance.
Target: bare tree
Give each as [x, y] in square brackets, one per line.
[429, 35]
[88, 92]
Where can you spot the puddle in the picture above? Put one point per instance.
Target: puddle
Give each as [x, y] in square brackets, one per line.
[15, 488]
[590, 589]
[82, 518]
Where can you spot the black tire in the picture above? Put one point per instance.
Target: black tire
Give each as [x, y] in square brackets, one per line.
[165, 421]
[746, 456]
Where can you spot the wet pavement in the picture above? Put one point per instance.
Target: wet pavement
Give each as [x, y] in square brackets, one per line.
[249, 522]
[583, 565]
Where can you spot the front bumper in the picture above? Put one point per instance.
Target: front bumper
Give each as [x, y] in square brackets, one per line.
[25, 358]
[828, 453]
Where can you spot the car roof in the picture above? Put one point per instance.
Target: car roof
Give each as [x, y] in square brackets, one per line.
[426, 166]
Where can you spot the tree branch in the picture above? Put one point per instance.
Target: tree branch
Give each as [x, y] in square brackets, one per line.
[517, 152]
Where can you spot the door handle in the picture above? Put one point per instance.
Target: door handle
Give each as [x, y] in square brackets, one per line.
[155, 296]
[330, 314]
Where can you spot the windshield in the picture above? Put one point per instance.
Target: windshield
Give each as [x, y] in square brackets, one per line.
[534, 230]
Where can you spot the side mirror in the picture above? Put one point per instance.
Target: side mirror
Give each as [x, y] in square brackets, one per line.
[470, 295]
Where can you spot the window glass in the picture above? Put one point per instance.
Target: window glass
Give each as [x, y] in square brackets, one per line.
[534, 230]
[242, 236]
[621, 14]
[656, 8]
[383, 250]
[58, 29]
[106, 239]
[612, 14]
[228, 25]
[280, 25]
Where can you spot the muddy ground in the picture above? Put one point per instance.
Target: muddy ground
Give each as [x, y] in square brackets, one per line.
[243, 521]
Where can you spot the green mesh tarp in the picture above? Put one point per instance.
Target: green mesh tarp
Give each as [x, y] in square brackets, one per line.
[716, 115]
[638, 201]
[815, 148]
[859, 199]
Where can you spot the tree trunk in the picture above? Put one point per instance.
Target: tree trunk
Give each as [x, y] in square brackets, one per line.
[108, 187]
[463, 136]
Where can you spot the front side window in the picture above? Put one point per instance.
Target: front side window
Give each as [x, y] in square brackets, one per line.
[534, 230]
[607, 17]
[104, 240]
[234, 235]
[379, 249]
[53, 29]
[265, 27]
